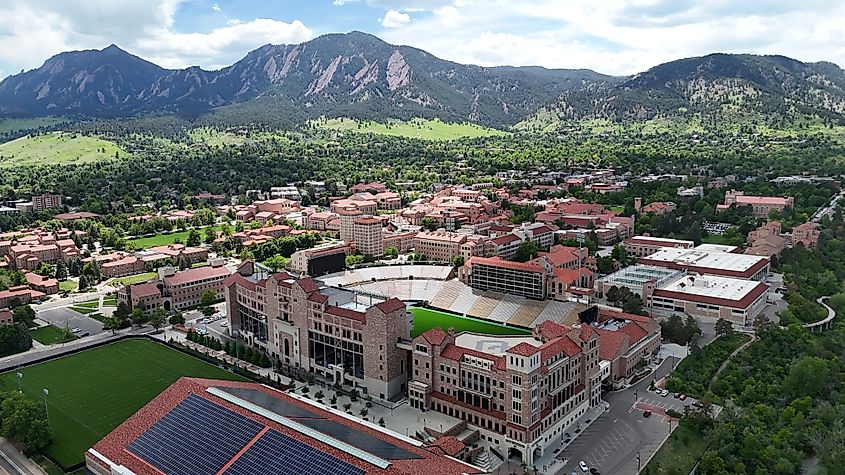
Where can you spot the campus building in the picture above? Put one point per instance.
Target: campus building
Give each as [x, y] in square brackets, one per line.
[626, 342]
[175, 290]
[521, 393]
[338, 335]
[526, 279]
[760, 206]
[706, 262]
[642, 246]
[202, 426]
[45, 202]
[368, 236]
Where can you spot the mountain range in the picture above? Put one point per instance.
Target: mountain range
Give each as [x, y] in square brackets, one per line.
[358, 75]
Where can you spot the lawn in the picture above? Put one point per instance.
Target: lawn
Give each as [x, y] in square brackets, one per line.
[214, 137]
[68, 285]
[83, 310]
[110, 302]
[13, 125]
[89, 304]
[425, 319]
[134, 279]
[92, 392]
[163, 239]
[49, 335]
[679, 454]
[56, 148]
[415, 128]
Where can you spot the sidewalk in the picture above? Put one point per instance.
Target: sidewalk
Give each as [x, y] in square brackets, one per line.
[12, 461]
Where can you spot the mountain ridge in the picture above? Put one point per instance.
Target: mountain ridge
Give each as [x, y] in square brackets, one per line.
[358, 75]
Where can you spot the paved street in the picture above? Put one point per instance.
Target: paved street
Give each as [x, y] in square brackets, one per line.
[611, 443]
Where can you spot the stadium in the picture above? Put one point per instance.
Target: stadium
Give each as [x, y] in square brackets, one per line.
[433, 286]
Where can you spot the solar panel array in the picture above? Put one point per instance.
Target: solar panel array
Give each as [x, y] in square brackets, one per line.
[320, 423]
[277, 454]
[197, 437]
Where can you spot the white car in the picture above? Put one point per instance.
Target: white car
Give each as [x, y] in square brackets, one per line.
[664, 393]
[583, 466]
[224, 324]
[75, 330]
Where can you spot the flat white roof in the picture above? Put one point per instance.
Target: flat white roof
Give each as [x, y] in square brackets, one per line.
[716, 248]
[490, 344]
[709, 259]
[711, 286]
[658, 240]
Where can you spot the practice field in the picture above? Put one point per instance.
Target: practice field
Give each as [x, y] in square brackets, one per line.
[415, 128]
[425, 319]
[56, 148]
[50, 335]
[134, 279]
[164, 239]
[92, 392]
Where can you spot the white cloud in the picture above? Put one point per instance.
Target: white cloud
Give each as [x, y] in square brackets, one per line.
[622, 36]
[143, 28]
[215, 7]
[395, 19]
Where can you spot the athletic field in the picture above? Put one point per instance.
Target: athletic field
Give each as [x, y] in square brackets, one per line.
[425, 319]
[92, 392]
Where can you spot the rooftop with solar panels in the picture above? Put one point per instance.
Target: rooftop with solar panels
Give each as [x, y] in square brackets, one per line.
[209, 427]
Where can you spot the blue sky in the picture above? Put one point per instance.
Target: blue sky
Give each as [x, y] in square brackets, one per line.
[611, 36]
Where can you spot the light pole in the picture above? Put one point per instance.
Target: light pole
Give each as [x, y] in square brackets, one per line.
[638, 462]
[20, 382]
[46, 411]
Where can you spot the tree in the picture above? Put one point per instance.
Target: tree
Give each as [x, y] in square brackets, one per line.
[158, 318]
[429, 223]
[347, 407]
[526, 251]
[24, 421]
[276, 263]
[364, 411]
[809, 376]
[723, 327]
[138, 317]
[61, 271]
[178, 319]
[633, 304]
[112, 323]
[391, 252]
[24, 314]
[193, 238]
[122, 311]
[14, 339]
[208, 298]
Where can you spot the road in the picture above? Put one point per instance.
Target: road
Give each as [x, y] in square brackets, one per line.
[611, 443]
[828, 209]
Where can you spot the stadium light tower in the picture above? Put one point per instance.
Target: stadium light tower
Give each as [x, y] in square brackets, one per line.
[47, 411]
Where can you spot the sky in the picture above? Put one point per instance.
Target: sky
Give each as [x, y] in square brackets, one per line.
[609, 36]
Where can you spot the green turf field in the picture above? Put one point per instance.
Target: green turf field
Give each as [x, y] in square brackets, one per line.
[416, 128]
[56, 148]
[163, 239]
[92, 392]
[49, 335]
[68, 285]
[425, 319]
[135, 278]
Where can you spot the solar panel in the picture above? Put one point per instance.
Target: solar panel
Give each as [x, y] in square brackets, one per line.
[277, 454]
[273, 404]
[361, 440]
[197, 437]
[320, 423]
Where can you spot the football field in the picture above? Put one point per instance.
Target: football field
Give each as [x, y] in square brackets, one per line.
[94, 391]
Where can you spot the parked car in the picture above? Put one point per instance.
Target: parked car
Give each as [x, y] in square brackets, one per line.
[664, 393]
[594, 471]
[224, 324]
[201, 331]
[697, 404]
[682, 397]
[75, 330]
[677, 395]
[647, 414]
[583, 466]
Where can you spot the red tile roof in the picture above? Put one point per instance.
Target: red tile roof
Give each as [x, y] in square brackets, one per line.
[346, 313]
[145, 290]
[390, 306]
[435, 336]
[524, 349]
[455, 353]
[195, 275]
[499, 262]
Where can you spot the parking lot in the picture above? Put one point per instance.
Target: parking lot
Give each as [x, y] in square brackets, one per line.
[61, 317]
[612, 442]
